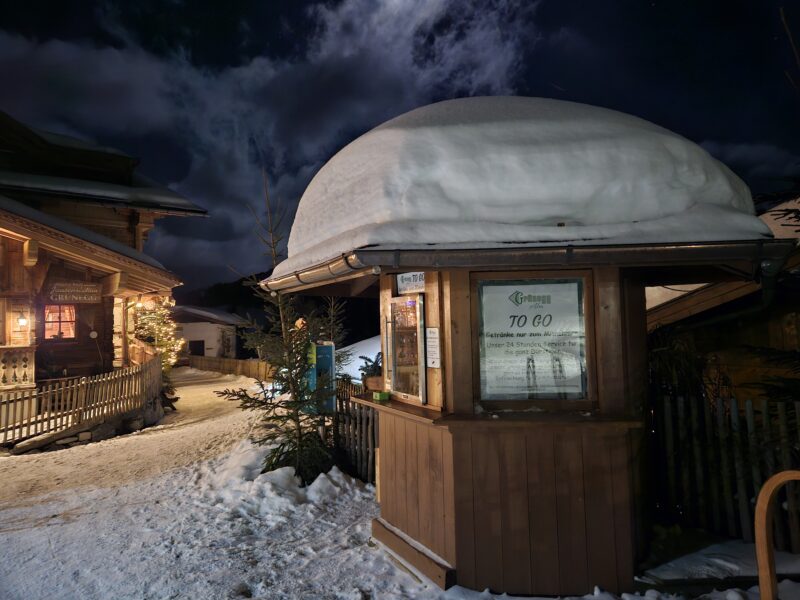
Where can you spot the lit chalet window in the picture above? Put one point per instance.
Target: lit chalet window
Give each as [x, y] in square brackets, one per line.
[59, 321]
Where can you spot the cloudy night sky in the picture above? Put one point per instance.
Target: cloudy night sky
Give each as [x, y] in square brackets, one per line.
[206, 93]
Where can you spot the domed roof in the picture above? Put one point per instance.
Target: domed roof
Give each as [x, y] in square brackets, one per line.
[478, 172]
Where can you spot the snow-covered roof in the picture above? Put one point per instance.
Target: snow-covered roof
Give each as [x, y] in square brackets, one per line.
[143, 193]
[26, 212]
[212, 315]
[59, 139]
[495, 171]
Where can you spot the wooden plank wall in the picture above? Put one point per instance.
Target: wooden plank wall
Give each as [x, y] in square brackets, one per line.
[416, 480]
[534, 508]
[544, 509]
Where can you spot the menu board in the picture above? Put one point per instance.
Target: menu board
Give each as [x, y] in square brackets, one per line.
[532, 339]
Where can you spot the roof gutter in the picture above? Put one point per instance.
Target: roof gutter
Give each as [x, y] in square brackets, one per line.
[347, 266]
[372, 261]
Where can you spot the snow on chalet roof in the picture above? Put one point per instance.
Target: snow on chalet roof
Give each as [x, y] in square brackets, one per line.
[212, 315]
[26, 212]
[489, 171]
[143, 193]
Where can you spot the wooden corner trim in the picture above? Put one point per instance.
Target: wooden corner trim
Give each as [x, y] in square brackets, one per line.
[442, 575]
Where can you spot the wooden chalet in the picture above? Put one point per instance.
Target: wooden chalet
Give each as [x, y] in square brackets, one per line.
[74, 218]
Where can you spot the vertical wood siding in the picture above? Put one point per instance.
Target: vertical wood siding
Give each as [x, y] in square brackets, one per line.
[534, 508]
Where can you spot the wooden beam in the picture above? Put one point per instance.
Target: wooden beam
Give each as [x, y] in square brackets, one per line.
[114, 283]
[30, 253]
[442, 575]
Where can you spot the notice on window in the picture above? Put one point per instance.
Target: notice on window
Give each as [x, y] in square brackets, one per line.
[532, 339]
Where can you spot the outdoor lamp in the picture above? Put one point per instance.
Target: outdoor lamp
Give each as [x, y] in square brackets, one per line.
[22, 320]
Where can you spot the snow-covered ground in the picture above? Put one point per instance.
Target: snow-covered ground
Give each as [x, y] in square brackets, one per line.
[368, 347]
[181, 511]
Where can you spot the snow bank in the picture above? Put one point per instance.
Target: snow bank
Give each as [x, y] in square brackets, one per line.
[498, 170]
[720, 561]
[368, 347]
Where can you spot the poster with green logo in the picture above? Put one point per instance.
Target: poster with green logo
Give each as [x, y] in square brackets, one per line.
[532, 339]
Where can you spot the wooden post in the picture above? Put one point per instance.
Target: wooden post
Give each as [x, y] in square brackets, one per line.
[738, 465]
[765, 553]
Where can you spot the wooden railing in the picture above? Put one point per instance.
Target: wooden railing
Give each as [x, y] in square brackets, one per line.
[355, 430]
[140, 352]
[64, 403]
[713, 455]
[250, 367]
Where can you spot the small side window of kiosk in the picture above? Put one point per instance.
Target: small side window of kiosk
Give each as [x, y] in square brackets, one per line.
[532, 347]
[407, 329]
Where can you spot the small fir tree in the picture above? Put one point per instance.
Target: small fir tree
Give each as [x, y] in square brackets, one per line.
[154, 325]
[333, 314]
[289, 408]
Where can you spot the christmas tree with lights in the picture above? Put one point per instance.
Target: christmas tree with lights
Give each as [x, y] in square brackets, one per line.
[154, 325]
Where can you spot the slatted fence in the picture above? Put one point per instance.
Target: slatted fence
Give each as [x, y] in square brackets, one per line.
[59, 404]
[711, 457]
[355, 430]
[250, 367]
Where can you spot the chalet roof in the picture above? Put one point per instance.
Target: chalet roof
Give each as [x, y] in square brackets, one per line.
[53, 222]
[41, 162]
[208, 315]
[142, 193]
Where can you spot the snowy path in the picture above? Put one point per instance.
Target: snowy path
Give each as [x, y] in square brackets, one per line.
[204, 426]
[181, 511]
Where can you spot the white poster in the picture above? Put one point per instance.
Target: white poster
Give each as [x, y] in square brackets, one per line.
[532, 340]
[411, 283]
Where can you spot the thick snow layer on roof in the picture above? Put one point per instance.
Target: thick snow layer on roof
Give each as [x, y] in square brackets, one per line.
[499, 170]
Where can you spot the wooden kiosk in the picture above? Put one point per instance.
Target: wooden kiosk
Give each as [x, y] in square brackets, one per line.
[511, 448]
[541, 495]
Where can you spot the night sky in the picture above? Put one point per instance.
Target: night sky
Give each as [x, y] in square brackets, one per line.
[205, 92]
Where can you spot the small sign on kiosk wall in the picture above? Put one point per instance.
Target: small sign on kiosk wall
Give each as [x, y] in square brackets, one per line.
[433, 359]
[411, 283]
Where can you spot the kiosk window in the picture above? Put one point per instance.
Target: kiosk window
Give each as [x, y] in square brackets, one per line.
[532, 340]
[407, 327]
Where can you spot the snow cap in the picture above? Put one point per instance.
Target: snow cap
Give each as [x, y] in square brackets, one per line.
[478, 172]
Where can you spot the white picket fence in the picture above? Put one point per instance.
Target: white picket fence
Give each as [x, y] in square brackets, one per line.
[64, 403]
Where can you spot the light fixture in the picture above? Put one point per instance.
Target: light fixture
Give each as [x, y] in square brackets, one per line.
[22, 320]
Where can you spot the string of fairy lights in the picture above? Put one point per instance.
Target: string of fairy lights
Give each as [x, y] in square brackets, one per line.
[154, 324]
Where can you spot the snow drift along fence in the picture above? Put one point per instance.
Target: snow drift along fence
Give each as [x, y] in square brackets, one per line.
[711, 458]
[250, 367]
[64, 403]
[355, 430]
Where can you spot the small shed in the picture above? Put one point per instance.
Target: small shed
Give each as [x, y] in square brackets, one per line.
[509, 241]
[208, 331]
